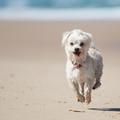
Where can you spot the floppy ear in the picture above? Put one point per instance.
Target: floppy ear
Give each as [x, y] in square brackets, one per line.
[89, 36]
[65, 37]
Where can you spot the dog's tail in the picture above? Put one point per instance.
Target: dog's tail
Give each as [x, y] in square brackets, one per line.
[93, 46]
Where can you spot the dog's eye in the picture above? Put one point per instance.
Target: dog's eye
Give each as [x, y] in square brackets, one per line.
[71, 43]
[81, 44]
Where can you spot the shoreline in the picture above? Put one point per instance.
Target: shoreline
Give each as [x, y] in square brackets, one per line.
[28, 14]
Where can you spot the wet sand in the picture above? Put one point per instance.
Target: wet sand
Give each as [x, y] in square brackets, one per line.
[32, 72]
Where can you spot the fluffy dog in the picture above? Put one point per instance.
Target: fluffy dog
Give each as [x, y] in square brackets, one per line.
[84, 64]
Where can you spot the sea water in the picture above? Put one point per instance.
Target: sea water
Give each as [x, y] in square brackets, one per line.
[60, 9]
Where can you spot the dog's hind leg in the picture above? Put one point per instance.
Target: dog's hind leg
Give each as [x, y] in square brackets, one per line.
[98, 74]
[98, 82]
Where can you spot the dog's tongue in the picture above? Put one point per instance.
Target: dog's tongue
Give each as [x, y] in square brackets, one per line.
[77, 54]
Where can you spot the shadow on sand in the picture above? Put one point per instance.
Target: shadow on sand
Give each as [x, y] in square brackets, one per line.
[106, 109]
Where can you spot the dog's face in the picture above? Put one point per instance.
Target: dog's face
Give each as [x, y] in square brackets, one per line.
[76, 43]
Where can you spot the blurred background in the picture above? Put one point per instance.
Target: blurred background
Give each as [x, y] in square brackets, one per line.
[59, 9]
[32, 61]
[60, 3]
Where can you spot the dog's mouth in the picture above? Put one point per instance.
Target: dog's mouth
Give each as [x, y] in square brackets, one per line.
[77, 53]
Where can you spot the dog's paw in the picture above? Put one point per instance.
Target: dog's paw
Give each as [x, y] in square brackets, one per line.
[88, 99]
[80, 98]
[97, 84]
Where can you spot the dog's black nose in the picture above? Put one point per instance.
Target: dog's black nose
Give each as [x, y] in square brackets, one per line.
[77, 49]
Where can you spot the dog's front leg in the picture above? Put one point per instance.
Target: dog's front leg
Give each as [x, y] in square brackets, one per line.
[79, 96]
[82, 88]
[88, 90]
[88, 95]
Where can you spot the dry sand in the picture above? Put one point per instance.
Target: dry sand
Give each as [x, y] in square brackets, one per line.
[32, 72]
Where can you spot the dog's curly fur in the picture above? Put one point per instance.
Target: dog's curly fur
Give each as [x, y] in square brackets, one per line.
[84, 63]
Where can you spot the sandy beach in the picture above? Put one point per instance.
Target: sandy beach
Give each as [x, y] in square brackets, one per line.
[33, 84]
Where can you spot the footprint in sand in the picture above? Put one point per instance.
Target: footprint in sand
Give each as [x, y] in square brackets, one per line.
[62, 102]
[2, 87]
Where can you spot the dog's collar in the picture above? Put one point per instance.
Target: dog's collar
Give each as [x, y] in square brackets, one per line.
[76, 66]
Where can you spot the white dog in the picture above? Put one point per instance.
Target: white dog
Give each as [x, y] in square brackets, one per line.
[84, 63]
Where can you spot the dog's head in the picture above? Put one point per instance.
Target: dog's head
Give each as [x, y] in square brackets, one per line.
[76, 43]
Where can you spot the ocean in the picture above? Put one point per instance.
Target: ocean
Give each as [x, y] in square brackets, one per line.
[60, 9]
